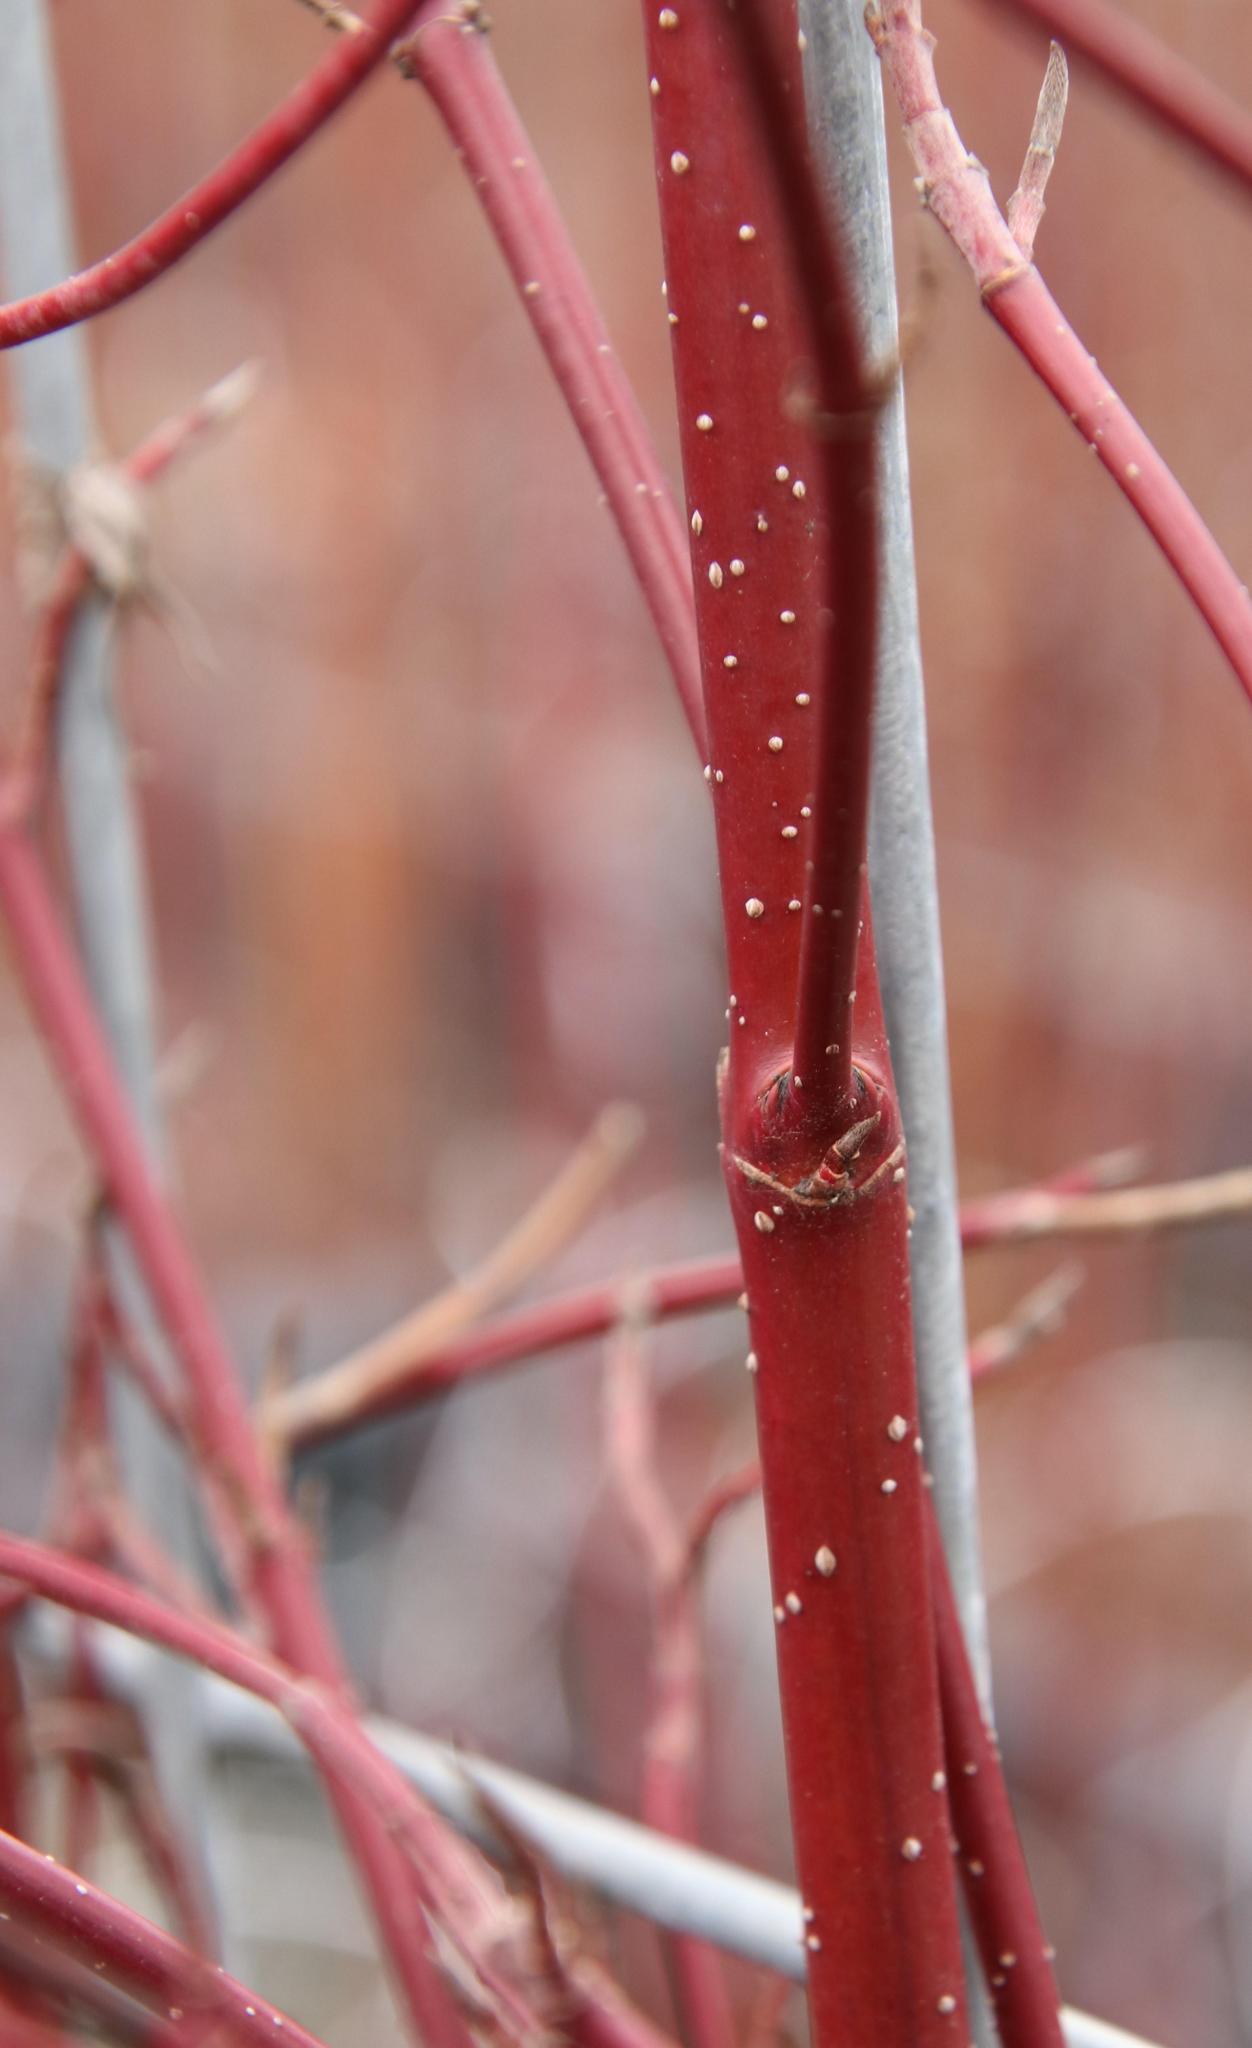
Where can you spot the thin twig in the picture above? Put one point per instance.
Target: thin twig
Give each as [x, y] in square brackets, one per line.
[1026, 1215]
[57, 1908]
[955, 188]
[84, 567]
[1016, 1216]
[1016, 1958]
[366, 1377]
[459, 73]
[256, 1524]
[674, 1737]
[138, 263]
[1155, 79]
[1040, 1313]
[461, 1891]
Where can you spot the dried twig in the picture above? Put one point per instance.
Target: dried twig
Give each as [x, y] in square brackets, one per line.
[1028, 1214]
[1039, 1314]
[366, 1377]
[1155, 79]
[1025, 208]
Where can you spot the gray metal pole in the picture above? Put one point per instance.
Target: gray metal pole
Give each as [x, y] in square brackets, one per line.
[845, 111]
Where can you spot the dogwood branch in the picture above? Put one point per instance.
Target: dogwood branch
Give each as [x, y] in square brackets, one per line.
[956, 190]
[1155, 79]
[183, 226]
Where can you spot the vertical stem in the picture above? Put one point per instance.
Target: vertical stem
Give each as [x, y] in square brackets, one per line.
[275, 1564]
[846, 121]
[52, 400]
[777, 421]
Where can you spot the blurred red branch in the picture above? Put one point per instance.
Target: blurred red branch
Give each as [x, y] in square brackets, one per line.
[81, 569]
[459, 1888]
[674, 1738]
[455, 65]
[138, 263]
[956, 190]
[1154, 78]
[260, 1533]
[1016, 1958]
[53, 1907]
[364, 1380]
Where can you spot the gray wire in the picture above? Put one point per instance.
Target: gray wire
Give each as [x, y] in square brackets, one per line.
[846, 122]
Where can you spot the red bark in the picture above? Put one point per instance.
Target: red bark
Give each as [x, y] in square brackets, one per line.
[776, 416]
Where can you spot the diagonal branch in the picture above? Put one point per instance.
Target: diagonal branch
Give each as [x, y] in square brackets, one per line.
[367, 1378]
[452, 59]
[183, 226]
[57, 1910]
[1154, 78]
[955, 188]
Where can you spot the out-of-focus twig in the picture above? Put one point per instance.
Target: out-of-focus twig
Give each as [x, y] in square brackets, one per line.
[138, 263]
[955, 188]
[1027, 1214]
[1126, 54]
[106, 552]
[365, 1378]
[1039, 1314]
[673, 1738]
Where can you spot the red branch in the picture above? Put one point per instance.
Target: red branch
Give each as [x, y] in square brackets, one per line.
[774, 419]
[675, 1738]
[1151, 76]
[458, 1887]
[278, 1570]
[455, 64]
[184, 225]
[25, 778]
[1016, 1958]
[955, 188]
[49, 1905]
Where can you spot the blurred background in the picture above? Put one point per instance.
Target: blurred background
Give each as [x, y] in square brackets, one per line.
[433, 880]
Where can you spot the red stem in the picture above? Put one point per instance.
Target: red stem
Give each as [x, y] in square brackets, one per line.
[1030, 316]
[458, 1887]
[184, 225]
[1151, 76]
[60, 1911]
[674, 1739]
[279, 1574]
[1016, 1958]
[12, 1733]
[24, 780]
[955, 189]
[777, 461]
[456, 66]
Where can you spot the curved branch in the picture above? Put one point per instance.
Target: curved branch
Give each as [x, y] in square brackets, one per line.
[458, 1889]
[955, 188]
[138, 263]
[61, 1912]
[1154, 78]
